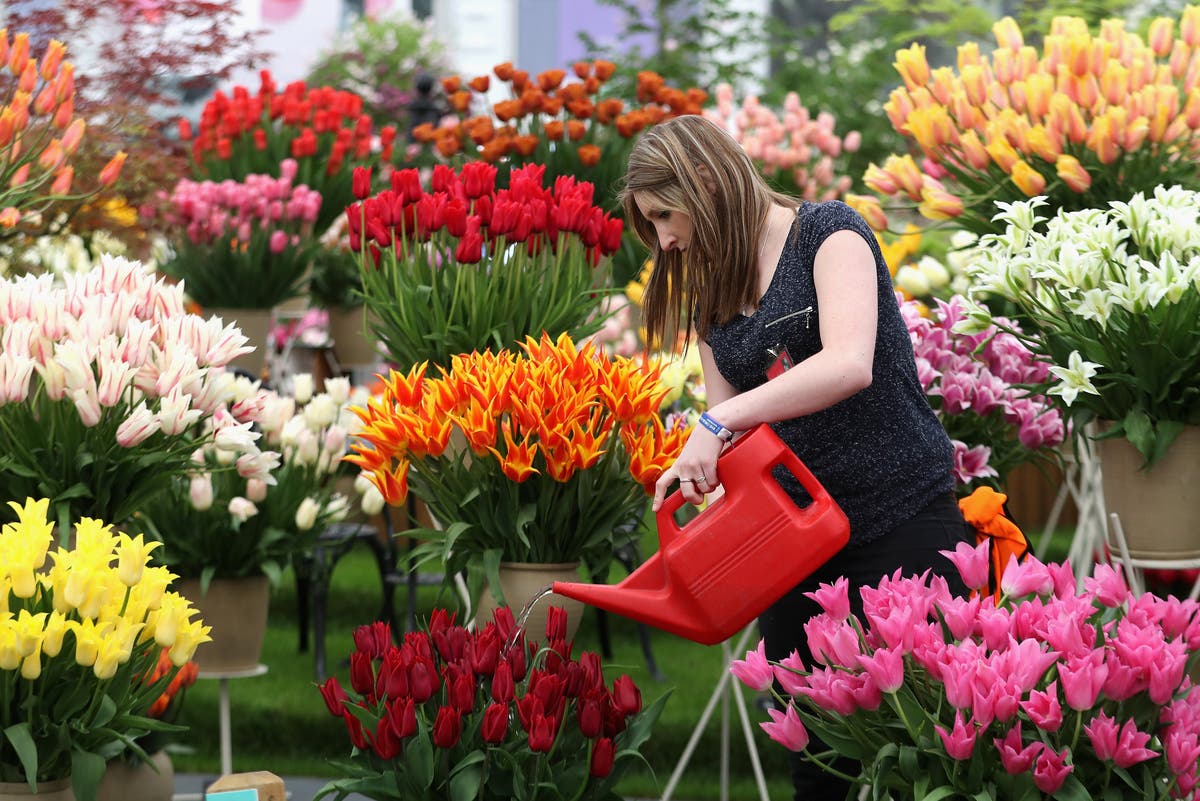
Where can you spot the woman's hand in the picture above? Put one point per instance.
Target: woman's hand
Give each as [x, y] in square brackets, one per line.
[695, 469]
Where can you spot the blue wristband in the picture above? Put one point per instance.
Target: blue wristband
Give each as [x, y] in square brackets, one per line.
[719, 431]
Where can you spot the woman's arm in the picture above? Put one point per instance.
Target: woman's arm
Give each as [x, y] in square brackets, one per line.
[845, 279]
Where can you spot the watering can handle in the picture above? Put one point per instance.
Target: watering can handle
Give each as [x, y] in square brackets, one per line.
[668, 529]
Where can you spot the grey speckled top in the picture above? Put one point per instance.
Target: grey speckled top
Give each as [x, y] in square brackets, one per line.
[881, 453]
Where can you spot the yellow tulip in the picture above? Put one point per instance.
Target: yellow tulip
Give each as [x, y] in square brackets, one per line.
[133, 553]
[1027, 179]
[170, 618]
[1004, 66]
[868, 206]
[880, 180]
[968, 55]
[1001, 152]
[1114, 83]
[88, 637]
[10, 654]
[31, 666]
[898, 106]
[28, 630]
[1047, 147]
[1008, 34]
[906, 173]
[192, 635]
[108, 659]
[943, 82]
[1100, 141]
[1181, 56]
[154, 583]
[1161, 36]
[52, 637]
[1189, 26]
[1191, 111]
[1135, 134]
[1159, 122]
[912, 66]
[975, 84]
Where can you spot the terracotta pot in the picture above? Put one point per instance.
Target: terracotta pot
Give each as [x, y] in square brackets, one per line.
[236, 608]
[125, 780]
[520, 582]
[256, 326]
[352, 343]
[1158, 508]
[57, 790]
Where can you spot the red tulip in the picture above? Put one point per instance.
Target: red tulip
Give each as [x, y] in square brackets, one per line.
[392, 679]
[556, 616]
[385, 743]
[460, 689]
[423, 680]
[626, 696]
[402, 714]
[593, 670]
[529, 706]
[360, 182]
[444, 179]
[483, 652]
[495, 723]
[362, 677]
[373, 638]
[334, 695]
[456, 218]
[407, 184]
[541, 735]
[447, 728]
[470, 249]
[503, 688]
[591, 714]
[354, 727]
[602, 758]
[478, 179]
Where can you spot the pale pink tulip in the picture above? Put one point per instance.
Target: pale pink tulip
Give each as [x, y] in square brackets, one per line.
[15, 372]
[256, 490]
[138, 426]
[175, 412]
[259, 465]
[87, 404]
[200, 491]
[242, 509]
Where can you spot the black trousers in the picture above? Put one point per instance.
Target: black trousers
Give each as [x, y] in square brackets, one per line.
[913, 547]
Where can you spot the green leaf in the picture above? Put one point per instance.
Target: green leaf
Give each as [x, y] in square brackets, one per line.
[418, 756]
[87, 769]
[1072, 790]
[466, 778]
[939, 793]
[21, 739]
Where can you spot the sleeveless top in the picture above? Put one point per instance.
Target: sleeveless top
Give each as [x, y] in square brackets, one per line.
[881, 453]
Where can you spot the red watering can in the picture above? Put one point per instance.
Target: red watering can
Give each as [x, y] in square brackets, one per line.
[710, 578]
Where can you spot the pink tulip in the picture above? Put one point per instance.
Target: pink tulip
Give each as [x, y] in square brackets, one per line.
[865, 692]
[754, 671]
[1082, 678]
[959, 742]
[1043, 708]
[1106, 585]
[886, 667]
[973, 563]
[832, 642]
[1015, 758]
[833, 598]
[278, 242]
[831, 690]
[1050, 769]
[1131, 746]
[786, 728]
[1025, 577]
[1183, 749]
[790, 673]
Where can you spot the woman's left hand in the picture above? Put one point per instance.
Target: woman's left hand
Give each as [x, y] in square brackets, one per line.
[695, 469]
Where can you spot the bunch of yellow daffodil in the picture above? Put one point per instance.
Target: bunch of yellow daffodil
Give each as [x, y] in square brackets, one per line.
[80, 630]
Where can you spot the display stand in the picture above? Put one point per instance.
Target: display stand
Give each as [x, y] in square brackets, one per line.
[1133, 567]
[1082, 484]
[725, 687]
[226, 736]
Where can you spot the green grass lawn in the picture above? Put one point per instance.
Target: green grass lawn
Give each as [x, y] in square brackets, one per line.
[280, 724]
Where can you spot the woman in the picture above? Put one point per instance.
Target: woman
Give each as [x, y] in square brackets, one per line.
[797, 326]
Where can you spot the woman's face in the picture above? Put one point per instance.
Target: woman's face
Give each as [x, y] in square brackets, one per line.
[673, 228]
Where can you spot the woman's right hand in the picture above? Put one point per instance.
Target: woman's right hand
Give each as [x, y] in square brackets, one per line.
[695, 469]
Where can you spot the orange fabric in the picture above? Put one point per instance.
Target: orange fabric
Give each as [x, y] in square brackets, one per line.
[983, 510]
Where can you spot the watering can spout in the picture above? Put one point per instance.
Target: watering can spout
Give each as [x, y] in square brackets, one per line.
[721, 570]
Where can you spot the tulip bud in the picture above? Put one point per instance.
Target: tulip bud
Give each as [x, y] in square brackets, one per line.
[201, 492]
[302, 387]
[9, 217]
[306, 514]
[242, 509]
[108, 175]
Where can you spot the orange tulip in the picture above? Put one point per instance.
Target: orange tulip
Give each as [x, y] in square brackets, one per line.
[62, 181]
[9, 217]
[20, 176]
[52, 60]
[519, 80]
[504, 70]
[582, 69]
[480, 83]
[524, 145]
[576, 130]
[589, 155]
[1027, 179]
[29, 78]
[18, 54]
[64, 114]
[554, 130]
[460, 101]
[517, 460]
[1101, 142]
[451, 84]
[53, 156]
[1135, 134]
[549, 80]
[868, 206]
[603, 69]
[973, 151]
[938, 204]
[7, 126]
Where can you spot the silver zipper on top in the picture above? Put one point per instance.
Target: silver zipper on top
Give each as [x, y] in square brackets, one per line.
[807, 319]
